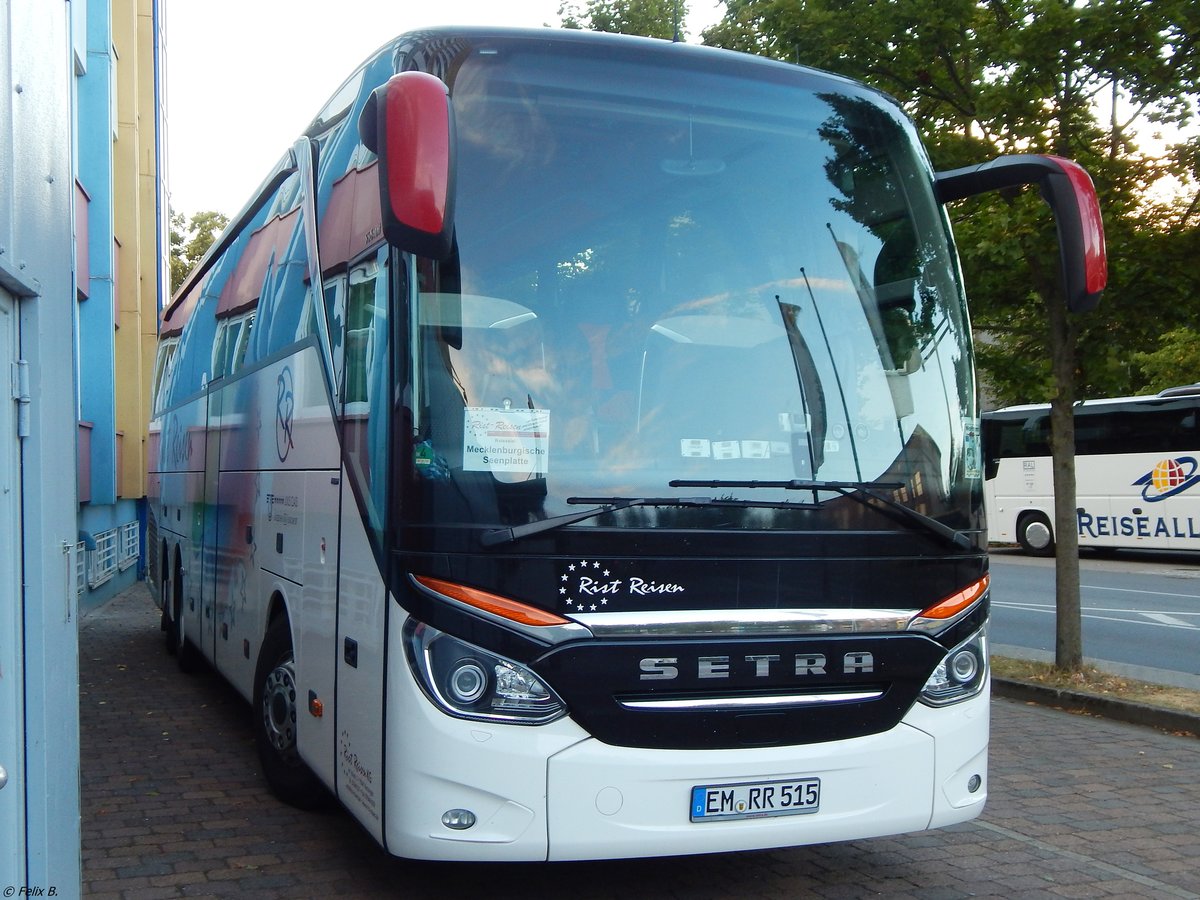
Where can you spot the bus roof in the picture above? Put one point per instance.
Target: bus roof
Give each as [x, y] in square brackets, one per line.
[342, 100]
[1170, 394]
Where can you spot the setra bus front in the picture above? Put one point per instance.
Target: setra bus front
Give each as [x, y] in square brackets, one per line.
[684, 531]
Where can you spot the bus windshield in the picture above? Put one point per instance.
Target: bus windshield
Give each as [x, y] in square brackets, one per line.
[662, 276]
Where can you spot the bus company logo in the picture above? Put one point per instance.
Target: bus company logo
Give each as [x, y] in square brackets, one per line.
[285, 409]
[1168, 478]
[283, 510]
[589, 585]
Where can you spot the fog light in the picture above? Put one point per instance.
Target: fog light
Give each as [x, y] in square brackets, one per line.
[468, 681]
[974, 784]
[458, 819]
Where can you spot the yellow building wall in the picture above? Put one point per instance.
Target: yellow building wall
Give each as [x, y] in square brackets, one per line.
[135, 181]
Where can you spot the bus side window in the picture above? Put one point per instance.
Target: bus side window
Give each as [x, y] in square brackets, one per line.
[362, 312]
[992, 434]
[229, 349]
[365, 408]
[1035, 436]
[163, 369]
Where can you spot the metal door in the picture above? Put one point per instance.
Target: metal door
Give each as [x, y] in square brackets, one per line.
[12, 806]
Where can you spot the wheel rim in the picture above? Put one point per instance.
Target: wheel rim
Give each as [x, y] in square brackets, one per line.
[279, 708]
[1037, 535]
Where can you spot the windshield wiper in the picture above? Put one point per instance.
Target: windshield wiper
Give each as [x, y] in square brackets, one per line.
[612, 504]
[509, 535]
[856, 490]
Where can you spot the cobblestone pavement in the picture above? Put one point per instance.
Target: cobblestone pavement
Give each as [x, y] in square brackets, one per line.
[173, 806]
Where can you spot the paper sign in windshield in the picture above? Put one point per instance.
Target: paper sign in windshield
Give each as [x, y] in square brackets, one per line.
[506, 440]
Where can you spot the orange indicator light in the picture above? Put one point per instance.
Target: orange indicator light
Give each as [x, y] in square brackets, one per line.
[493, 603]
[957, 602]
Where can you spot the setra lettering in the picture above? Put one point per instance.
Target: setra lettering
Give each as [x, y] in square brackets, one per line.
[759, 665]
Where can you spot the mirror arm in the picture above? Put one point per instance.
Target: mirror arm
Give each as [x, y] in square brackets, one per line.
[1068, 190]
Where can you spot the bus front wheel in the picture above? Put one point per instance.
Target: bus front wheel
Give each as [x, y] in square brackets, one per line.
[275, 709]
[1035, 535]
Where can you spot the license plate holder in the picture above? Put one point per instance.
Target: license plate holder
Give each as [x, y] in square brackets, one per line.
[755, 799]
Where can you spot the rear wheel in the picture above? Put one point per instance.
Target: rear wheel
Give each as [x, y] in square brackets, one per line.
[186, 654]
[275, 709]
[1035, 535]
[164, 604]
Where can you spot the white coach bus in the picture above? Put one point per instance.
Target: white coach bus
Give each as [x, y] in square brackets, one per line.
[1136, 473]
[571, 452]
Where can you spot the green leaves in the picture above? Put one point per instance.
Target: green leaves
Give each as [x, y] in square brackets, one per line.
[1079, 79]
[190, 240]
[1178, 352]
[649, 18]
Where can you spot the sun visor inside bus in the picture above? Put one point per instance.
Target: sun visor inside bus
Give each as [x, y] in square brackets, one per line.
[409, 124]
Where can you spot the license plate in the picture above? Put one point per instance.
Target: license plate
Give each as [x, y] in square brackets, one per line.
[756, 799]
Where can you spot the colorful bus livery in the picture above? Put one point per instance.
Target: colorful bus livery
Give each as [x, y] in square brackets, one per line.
[1135, 467]
[1168, 478]
[571, 452]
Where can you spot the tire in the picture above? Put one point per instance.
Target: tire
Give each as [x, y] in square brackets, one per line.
[164, 604]
[276, 703]
[1035, 534]
[186, 655]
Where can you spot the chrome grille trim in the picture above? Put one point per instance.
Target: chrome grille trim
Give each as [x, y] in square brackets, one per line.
[774, 702]
[937, 626]
[745, 622]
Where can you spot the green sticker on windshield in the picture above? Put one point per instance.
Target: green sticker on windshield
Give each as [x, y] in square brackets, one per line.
[972, 451]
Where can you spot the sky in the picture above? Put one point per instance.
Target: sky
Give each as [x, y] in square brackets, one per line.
[245, 77]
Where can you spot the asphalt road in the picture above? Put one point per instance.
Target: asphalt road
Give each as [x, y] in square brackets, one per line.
[1141, 611]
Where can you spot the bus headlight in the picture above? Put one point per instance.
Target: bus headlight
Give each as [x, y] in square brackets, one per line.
[472, 683]
[960, 675]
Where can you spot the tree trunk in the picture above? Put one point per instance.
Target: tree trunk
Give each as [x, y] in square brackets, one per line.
[1068, 637]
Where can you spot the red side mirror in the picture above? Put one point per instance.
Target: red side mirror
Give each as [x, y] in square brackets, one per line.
[1069, 191]
[409, 124]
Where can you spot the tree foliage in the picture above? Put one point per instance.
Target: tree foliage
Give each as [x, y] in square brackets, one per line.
[190, 240]
[1178, 351]
[987, 77]
[1076, 78]
[650, 18]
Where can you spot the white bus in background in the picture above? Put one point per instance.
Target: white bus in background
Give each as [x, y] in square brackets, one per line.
[571, 452]
[1136, 470]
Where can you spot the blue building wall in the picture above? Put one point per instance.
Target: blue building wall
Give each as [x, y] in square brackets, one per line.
[114, 134]
[39, 675]
[96, 117]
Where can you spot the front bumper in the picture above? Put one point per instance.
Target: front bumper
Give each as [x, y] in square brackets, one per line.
[552, 792]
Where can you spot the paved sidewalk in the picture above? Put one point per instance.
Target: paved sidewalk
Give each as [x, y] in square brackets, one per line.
[173, 806]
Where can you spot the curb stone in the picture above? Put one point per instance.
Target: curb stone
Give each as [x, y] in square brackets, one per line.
[1120, 710]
